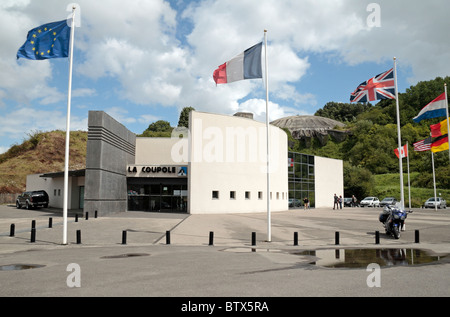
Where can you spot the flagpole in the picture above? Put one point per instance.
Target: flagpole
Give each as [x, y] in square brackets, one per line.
[448, 119]
[402, 195]
[409, 186]
[269, 229]
[434, 181]
[69, 97]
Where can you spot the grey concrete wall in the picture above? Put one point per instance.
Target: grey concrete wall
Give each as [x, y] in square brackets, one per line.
[110, 147]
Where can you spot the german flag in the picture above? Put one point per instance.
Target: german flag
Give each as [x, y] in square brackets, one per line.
[439, 129]
[440, 144]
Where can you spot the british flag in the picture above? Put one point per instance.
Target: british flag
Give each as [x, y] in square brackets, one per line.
[382, 86]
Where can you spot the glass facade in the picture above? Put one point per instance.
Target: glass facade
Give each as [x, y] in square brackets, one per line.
[301, 179]
[157, 194]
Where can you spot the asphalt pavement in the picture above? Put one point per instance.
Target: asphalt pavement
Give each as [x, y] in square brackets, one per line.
[200, 257]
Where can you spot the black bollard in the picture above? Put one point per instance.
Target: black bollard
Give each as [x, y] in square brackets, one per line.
[95, 214]
[33, 235]
[33, 224]
[295, 238]
[124, 237]
[87, 215]
[50, 222]
[253, 238]
[211, 238]
[12, 230]
[76, 217]
[78, 236]
[377, 237]
[416, 240]
[336, 238]
[167, 237]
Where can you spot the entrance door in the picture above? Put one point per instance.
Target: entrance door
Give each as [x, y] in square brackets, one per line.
[157, 194]
[81, 198]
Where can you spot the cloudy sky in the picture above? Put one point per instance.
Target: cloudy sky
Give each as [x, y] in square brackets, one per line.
[142, 61]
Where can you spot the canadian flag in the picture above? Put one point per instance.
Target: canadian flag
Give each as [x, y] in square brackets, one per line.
[403, 152]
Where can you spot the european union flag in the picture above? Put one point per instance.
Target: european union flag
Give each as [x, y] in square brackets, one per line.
[50, 40]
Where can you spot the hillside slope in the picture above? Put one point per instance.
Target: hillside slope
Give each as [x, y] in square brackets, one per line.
[43, 152]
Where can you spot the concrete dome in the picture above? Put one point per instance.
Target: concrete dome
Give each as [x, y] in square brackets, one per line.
[311, 126]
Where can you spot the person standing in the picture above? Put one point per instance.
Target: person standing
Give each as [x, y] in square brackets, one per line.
[353, 201]
[306, 203]
[336, 205]
[340, 201]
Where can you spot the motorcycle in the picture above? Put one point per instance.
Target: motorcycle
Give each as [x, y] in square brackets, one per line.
[393, 219]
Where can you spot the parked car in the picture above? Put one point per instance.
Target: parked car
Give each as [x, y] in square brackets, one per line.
[388, 201]
[32, 199]
[295, 202]
[347, 202]
[370, 202]
[440, 203]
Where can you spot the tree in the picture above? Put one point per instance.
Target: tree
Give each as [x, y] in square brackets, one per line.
[160, 126]
[344, 112]
[358, 181]
[158, 129]
[184, 117]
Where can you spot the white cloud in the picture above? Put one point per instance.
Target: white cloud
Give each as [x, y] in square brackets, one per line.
[136, 44]
[13, 123]
[3, 149]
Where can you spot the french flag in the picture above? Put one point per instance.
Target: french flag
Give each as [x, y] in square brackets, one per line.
[246, 65]
[436, 108]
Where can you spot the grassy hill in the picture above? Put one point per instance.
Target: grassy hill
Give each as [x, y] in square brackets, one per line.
[42, 152]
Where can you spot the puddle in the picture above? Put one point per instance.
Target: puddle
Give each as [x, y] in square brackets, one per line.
[358, 258]
[246, 250]
[127, 255]
[18, 267]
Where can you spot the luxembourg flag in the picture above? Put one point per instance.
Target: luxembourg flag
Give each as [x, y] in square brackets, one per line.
[436, 108]
[246, 65]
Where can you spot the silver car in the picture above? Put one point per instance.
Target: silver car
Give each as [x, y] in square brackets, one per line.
[439, 203]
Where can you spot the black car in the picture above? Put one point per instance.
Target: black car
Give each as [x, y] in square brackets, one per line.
[348, 202]
[32, 199]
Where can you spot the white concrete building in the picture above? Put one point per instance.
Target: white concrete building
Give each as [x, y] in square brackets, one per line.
[218, 166]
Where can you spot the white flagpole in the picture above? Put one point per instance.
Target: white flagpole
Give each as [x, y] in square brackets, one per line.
[434, 181]
[448, 119]
[69, 97]
[269, 229]
[402, 196]
[409, 186]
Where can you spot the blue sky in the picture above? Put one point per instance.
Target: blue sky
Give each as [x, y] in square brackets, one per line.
[142, 61]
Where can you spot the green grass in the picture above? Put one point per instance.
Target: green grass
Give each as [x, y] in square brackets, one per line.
[388, 185]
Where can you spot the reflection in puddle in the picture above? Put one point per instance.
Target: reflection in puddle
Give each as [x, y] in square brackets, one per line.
[356, 258]
[127, 255]
[16, 267]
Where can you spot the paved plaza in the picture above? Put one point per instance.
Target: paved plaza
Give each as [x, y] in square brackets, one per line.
[216, 256]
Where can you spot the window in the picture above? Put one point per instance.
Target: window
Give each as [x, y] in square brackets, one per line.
[260, 195]
[247, 195]
[278, 195]
[215, 194]
[232, 194]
